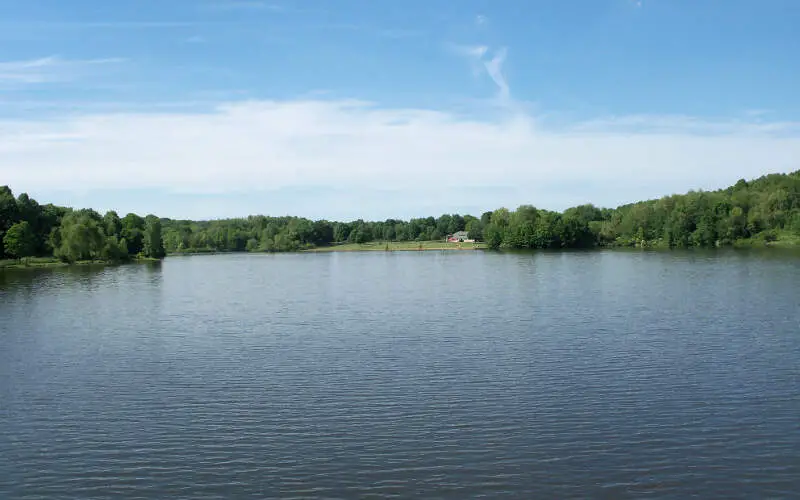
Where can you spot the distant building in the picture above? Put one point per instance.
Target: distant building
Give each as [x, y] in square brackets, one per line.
[459, 236]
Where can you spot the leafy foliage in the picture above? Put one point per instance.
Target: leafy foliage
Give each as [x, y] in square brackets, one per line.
[704, 219]
[28, 229]
[757, 211]
[19, 240]
[153, 244]
[81, 236]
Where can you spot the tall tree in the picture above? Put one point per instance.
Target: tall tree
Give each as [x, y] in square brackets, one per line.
[112, 224]
[115, 250]
[19, 240]
[80, 236]
[475, 229]
[153, 242]
[133, 232]
[8, 213]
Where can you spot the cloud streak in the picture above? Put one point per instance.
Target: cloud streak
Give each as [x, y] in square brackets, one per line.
[48, 69]
[79, 25]
[494, 68]
[353, 147]
[243, 5]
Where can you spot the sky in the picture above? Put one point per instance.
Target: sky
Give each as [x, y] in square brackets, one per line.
[346, 109]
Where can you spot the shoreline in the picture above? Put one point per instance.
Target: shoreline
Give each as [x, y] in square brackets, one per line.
[346, 250]
[398, 246]
[53, 263]
[427, 246]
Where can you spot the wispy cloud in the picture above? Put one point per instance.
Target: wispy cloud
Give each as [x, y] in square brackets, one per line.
[352, 145]
[474, 51]
[480, 20]
[493, 67]
[243, 5]
[108, 25]
[48, 69]
[696, 127]
[134, 24]
[195, 39]
[757, 112]
[473, 54]
[398, 33]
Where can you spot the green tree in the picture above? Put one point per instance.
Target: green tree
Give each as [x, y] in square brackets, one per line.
[389, 232]
[475, 230]
[252, 245]
[133, 232]
[80, 236]
[493, 234]
[19, 240]
[341, 232]
[766, 208]
[112, 224]
[323, 232]
[401, 231]
[29, 210]
[153, 242]
[114, 250]
[8, 213]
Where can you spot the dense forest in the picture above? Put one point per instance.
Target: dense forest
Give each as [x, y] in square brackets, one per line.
[28, 229]
[761, 210]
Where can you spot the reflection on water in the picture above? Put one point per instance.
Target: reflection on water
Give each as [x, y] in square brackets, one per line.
[407, 375]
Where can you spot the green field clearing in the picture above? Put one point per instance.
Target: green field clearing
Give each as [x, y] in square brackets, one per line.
[398, 246]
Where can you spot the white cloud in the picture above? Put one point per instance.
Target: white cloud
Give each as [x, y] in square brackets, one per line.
[469, 51]
[48, 69]
[480, 20]
[357, 148]
[80, 25]
[757, 112]
[493, 67]
[495, 70]
[688, 125]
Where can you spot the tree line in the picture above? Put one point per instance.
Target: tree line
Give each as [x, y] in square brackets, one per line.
[28, 229]
[285, 234]
[762, 210]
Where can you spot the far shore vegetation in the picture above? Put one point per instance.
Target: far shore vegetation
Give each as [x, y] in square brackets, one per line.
[399, 246]
[763, 212]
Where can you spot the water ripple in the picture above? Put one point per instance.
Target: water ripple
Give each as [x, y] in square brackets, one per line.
[591, 375]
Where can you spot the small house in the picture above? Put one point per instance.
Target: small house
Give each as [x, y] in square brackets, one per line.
[459, 236]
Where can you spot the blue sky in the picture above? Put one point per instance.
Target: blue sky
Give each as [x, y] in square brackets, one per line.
[348, 109]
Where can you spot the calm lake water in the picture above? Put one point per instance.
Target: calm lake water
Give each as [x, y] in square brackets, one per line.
[407, 375]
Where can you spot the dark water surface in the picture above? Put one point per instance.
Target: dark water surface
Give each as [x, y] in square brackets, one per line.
[407, 375]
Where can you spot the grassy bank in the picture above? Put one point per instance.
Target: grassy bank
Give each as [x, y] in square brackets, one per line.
[197, 251]
[47, 262]
[33, 262]
[777, 239]
[397, 246]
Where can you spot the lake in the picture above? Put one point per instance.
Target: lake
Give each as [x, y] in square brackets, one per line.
[603, 374]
